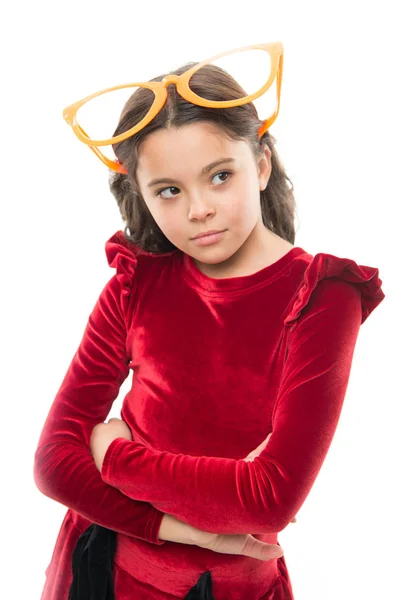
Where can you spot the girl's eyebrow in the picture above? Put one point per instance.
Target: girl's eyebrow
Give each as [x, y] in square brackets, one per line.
[203, 172]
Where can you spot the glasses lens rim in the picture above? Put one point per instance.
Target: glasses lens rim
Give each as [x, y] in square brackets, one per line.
[242, 51]
[110, 91]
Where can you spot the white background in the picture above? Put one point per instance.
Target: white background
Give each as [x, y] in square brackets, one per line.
[337, 135]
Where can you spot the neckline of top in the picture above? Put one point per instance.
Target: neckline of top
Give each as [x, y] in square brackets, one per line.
[212, 285]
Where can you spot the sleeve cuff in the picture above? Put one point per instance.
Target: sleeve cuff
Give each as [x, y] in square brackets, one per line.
[117, 445]
[110, 456]
[153, 527]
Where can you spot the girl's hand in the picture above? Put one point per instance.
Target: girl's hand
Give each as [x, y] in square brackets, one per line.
[102, 436]
[244, 544]
[256, 453]
[173, 530]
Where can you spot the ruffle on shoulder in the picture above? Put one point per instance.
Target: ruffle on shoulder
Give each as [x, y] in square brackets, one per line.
[122, 257]
[324, 266]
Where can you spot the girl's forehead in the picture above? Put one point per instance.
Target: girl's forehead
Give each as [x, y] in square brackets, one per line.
[189, 143]
[202, 131]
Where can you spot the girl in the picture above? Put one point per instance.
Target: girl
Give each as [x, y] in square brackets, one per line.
[238, 339]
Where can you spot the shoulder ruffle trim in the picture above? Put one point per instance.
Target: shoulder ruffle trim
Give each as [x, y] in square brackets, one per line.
[324, 266]
[122, 257]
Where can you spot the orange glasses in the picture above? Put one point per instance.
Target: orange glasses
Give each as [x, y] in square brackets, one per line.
[159, 88]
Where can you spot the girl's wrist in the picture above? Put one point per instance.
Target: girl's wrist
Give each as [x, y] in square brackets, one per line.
[201, 538]
[173, 530]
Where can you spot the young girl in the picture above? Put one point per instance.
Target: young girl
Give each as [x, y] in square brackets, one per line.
[238, 339]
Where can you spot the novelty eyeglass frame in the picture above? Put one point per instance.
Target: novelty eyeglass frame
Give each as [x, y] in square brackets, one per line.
[276, 52]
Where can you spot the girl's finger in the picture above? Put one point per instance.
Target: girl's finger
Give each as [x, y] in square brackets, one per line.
[260, 550]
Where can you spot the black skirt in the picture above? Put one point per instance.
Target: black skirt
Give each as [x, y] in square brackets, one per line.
[92, 564]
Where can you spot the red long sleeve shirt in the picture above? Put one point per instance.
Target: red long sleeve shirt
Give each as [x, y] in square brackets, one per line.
[218, 364]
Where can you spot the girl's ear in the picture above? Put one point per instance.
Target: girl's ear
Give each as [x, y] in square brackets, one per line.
[264, 168]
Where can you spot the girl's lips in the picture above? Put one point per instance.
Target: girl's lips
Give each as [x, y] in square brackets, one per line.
[206, 240]
[210, 232]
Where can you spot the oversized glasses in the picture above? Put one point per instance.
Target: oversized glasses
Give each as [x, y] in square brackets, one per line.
[77, 114]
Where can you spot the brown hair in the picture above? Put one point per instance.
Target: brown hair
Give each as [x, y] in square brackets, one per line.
[238, 123]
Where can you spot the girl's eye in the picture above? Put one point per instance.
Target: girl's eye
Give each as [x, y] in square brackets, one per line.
[223, 173]
[175, 188]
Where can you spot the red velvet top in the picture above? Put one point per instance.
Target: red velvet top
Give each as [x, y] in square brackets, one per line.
[217, 365]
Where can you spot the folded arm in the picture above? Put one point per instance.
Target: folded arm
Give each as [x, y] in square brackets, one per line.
[223, 495]
[64, 469]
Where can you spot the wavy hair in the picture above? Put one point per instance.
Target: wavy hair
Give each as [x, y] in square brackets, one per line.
[238, 123]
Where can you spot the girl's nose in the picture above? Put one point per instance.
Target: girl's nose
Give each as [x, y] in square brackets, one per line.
[199, 209]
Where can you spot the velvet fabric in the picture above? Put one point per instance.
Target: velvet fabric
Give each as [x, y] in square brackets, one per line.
[217, 365]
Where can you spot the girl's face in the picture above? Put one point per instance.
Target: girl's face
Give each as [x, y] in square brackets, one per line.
[194, 196]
